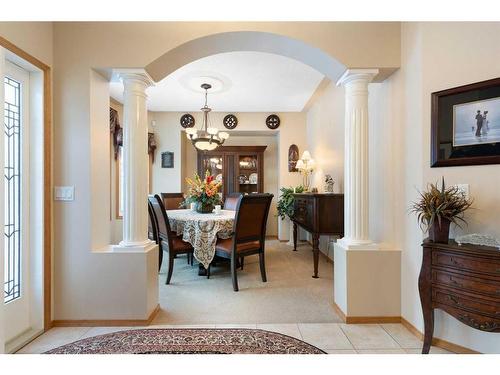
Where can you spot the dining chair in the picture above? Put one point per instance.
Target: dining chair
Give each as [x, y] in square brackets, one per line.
[153, 233]
[249, 233]
[231, 201]
[172, 201]
[168, 241]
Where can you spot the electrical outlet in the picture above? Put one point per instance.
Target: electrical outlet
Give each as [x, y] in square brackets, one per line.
[64, 193]
[464, 188]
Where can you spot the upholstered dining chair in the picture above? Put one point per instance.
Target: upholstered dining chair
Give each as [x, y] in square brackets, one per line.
[172, 201]
[249, 233]
[168, 241]
[231, 201]
[153, 233]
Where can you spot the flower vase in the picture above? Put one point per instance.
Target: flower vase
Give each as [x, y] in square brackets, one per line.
[204, 208]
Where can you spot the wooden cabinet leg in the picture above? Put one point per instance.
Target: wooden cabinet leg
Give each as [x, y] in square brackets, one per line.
[315, 240]
[428, 330]
[424, 288]
[294, 236]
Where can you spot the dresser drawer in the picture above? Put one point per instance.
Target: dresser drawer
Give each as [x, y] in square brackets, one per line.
[477, 321]
[462, 301]
[467, 283]
[466, 263]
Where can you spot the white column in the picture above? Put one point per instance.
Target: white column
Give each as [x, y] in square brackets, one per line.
[135, 161]
[356, 215]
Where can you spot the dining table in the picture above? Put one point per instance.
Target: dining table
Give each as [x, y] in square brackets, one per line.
[201, 230]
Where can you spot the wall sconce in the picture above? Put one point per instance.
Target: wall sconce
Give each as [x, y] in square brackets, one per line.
[306, 166]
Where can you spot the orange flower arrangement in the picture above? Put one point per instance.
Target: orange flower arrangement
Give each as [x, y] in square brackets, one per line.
[204, 192]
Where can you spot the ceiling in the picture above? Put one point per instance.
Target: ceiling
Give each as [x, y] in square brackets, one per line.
[242, 82]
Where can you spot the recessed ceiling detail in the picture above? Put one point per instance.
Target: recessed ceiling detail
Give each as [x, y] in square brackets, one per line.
[241, 82]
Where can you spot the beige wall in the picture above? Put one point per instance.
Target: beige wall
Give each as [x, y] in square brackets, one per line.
[400, 151]
[437, 56]
[36, 38]
[325, 142]
[168, 138]
[80, 47]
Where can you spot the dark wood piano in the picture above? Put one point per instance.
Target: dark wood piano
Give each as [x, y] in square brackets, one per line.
[319, 214]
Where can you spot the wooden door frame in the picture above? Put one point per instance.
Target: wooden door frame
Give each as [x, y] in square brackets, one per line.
[47, 177]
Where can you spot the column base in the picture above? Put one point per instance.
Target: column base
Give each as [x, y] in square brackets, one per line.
[349, 244]
[134, 247]
[367, 280]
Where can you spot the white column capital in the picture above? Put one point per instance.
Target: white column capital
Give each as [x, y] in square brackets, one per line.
[357, 75]
[137, 80]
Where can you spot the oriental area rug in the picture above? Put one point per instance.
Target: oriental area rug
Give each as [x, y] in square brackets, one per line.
[189, 341]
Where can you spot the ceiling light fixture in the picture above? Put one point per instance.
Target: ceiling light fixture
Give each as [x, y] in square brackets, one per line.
[207, 138]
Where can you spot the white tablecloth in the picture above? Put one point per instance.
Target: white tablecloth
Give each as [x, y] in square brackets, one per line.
[202, 230]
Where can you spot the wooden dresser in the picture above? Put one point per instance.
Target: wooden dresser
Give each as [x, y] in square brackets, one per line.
[319, 214]
[464, 281]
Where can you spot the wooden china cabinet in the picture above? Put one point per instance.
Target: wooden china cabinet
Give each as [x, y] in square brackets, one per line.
[241, 168]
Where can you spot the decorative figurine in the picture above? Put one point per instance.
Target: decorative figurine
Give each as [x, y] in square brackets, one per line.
[329, 184]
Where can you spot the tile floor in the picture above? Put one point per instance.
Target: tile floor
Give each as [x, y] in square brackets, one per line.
[333, 338]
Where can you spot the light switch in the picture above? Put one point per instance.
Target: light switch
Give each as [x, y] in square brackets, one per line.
[64, 193]
[464, 188]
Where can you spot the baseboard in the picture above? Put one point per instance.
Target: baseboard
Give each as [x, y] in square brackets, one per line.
[22, 340]
[107, 322]
[365, 319]
[440, 343]
[372, 319]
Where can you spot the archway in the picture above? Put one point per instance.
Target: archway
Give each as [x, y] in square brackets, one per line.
[245, 41]
[248, 41]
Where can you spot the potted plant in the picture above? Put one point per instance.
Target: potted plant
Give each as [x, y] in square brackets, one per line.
[285, 202]
[438, 207]
[203, 192]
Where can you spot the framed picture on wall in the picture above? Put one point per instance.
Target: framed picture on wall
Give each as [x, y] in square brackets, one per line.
[465, 124]
[167, 159]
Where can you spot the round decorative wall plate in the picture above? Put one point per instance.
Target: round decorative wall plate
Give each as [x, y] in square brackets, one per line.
[273, 121]
[187, 121]
[230, 121]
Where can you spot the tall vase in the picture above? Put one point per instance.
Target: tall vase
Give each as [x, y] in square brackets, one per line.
[440, 233]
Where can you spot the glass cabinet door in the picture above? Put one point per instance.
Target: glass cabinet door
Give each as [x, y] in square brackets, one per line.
[214, 164]
[248, 176]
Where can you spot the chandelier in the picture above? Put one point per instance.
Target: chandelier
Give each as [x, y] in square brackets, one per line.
[207, 138]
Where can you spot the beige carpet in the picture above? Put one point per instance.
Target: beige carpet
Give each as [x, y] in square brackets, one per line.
[290, 295]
